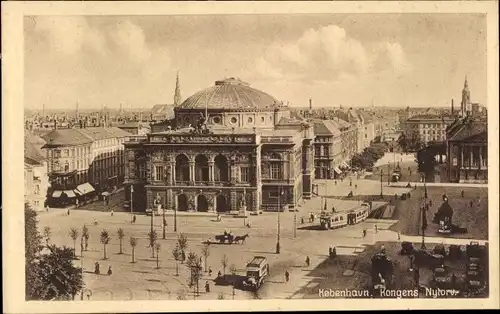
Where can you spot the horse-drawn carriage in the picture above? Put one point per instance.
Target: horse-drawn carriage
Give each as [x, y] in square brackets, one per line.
[229, 238]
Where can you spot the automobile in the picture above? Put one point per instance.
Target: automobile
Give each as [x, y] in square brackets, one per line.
[407, 248]
[441, 277]
[257, 273]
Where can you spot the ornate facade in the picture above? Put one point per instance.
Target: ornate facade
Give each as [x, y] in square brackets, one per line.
[233, 148]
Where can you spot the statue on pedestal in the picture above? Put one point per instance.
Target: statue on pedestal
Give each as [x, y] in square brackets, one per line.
[191, 204]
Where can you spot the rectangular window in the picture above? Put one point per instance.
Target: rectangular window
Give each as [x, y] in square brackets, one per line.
[275, 171]
[244, 174]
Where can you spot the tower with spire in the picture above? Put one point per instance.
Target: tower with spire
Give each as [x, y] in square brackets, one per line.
[465, 99]
[177, 95]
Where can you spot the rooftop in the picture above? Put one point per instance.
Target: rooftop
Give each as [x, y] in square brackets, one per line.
[230, 93]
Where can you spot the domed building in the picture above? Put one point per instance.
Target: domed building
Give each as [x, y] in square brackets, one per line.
[229, 148]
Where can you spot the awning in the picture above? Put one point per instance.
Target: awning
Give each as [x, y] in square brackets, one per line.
[105, 193]
[69, 193]
[85, 188]
[337, 170]
[77, 192]
[56, 193]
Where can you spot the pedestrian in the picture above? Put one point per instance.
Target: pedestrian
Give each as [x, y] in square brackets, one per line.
[86, 243]
[110, 272]
[47, 208]
[133, 219]
[335, 182]
[77, 203]
[463, 193]
[382, 249]
[97, 268]
[364, 233]
[471, 203]
[287, 276]
[112, 212]
[399, 235]
[81, 246]
[209, 271]
[308, 261]
[68, 211]
[333, 209]
[376, 229]
[89, 294]
[207, 287]
[219, 274]
[302, 220]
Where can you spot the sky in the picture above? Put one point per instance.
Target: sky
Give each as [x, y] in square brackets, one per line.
[353, 60]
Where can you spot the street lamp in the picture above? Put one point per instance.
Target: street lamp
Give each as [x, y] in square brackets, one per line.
[175, 211]
[280, 192]
[164, 223]
[131, 204]
[423, 215]
[381, 182]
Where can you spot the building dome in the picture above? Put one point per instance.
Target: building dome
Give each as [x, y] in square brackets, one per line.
[230, 94]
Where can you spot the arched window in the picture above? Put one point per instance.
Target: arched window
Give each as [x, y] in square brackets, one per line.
[221, 171]
[181, 168]
[201, 168]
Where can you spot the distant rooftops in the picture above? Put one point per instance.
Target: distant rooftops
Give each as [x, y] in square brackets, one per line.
[73, 137]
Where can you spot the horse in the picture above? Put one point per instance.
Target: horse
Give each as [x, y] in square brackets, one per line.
[241, 239]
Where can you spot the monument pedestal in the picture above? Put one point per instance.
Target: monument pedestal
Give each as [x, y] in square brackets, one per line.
[243, 211]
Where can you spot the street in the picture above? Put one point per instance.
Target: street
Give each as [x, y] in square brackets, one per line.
[142, 280]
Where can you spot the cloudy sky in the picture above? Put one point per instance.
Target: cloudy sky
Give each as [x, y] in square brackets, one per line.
[341, 59]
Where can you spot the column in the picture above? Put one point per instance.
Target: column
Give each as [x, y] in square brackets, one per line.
[172, 171]
[195, 198]
[462, 156]
[170, 202]
[214, 197]
[211, 171]
[191, 171]
[480, 153]
[233, 201]
[470, 153]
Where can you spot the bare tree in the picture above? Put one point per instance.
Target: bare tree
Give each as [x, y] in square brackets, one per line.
[182, 243]
[121, 235]
[86, 236]
[133, 244]
[205, 251]
[194, 264]
[176, 252]
[224, 262]
[152, 236]
[47, 233]
[157, 249]
[73, 233]
[105, 238]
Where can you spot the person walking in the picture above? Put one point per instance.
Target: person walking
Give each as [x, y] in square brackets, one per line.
[287, 276]
[68, 212]
[399, 236]
[112, 212]
[364, 233]
[207, 287]
[97, 268]
[134, 219]
[209, 271]
[110, 272]
[308, 261]
[376, 229]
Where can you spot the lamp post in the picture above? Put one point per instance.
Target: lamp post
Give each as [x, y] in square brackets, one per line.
[131, 204]
[381, 182]
[278, 249]
[164, 223]
[176, 204]
[423, 215]
[81, 261]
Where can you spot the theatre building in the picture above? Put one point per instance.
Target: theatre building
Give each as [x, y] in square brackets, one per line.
[229, 147]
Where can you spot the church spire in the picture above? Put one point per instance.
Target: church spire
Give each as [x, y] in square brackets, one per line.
[466, 84]
[177, 95]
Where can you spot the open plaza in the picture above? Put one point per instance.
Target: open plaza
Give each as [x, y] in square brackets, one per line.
[299, 238]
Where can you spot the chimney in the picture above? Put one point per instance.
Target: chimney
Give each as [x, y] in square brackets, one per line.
[452, 108]
[310, 104]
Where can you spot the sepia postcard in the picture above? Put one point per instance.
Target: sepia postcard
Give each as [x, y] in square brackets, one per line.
[244, 156]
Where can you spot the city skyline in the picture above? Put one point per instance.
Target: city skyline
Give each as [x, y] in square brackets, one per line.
[353, 60]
